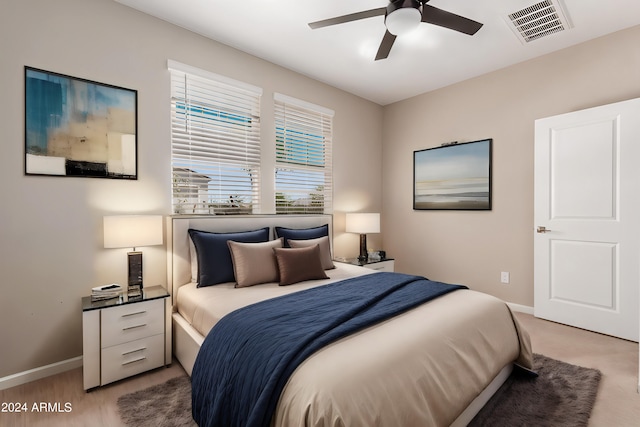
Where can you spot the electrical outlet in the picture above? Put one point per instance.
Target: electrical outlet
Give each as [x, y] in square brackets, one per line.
[504, 277]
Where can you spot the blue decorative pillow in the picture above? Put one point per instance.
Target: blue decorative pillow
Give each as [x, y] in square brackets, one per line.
[214, 259]
[301, 233]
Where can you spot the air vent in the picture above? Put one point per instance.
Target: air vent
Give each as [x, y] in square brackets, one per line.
[539, 20]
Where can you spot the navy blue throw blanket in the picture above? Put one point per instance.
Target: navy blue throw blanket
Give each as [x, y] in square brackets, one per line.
[247, 358]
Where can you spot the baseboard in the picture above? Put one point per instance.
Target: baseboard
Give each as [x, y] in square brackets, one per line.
[520, 308]
[38, 373]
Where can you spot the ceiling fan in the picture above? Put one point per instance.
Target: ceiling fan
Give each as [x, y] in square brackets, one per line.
[402, 16]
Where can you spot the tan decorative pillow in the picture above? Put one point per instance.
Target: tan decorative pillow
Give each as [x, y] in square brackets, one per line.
[325, 249]
[254, 263]
[299, 264]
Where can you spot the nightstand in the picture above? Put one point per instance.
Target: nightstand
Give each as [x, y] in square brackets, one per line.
[386, 264]
[125, 336]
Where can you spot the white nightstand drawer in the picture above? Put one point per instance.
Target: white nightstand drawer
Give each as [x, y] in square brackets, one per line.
[388, 265]
[132, 358]
[131, 322]
[125, 336]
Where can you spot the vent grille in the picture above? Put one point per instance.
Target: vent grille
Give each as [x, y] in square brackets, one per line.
[539, 20]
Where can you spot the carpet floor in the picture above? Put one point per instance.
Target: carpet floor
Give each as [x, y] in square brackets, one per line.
[562, 395]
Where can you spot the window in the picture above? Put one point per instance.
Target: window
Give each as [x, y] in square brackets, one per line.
[215, 143]
[303, 175]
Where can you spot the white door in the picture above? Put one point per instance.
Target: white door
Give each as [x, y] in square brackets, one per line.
[587, 219]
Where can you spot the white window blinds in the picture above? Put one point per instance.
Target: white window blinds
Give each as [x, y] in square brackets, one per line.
[303, 181]
[215, 143]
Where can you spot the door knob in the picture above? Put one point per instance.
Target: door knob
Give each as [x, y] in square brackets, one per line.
[542, 229]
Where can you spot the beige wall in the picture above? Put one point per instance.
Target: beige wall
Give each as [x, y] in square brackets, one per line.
[51, 228]
[474, 247]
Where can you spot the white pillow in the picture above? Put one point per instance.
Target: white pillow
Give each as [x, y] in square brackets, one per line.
[193, 256]
[325, 249]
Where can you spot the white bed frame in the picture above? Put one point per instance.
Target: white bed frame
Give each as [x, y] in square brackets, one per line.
[187, 341]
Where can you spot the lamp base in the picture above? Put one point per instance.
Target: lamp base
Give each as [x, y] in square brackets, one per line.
[364, 256]
[135, 268]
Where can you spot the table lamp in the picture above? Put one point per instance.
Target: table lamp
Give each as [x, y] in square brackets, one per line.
[363, 223]
[131, 231]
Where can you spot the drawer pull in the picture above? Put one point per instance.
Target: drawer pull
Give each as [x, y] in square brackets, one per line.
[134, 351]
[134, 327]
[134, 314]
[140, 359]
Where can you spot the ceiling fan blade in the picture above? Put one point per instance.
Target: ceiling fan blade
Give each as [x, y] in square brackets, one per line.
[385, 46]
[442, 18]
[348, 18]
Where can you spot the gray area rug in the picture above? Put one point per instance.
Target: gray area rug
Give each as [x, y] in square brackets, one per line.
[561, 396]
[163, 405]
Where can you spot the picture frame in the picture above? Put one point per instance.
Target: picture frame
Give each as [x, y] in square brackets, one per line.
[79, 128]
[455, 176]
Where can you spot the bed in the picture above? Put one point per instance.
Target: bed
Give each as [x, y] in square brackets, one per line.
[436, 364]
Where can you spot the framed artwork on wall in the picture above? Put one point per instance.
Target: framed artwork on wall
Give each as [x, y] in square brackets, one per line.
[77, 127]
[453, 177]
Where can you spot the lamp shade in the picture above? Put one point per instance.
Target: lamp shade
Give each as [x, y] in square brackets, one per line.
[362, 223]
[129, 231]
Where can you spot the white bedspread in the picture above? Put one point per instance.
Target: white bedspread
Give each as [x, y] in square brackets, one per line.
[204, 307]
[422, 368]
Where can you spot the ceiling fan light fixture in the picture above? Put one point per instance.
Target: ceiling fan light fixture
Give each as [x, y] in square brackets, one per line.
[403, 17]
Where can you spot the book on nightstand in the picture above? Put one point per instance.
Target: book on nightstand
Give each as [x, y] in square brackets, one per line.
[106, 292]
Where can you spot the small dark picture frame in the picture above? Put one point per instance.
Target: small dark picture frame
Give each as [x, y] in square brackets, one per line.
[455, 176]
[80, 128]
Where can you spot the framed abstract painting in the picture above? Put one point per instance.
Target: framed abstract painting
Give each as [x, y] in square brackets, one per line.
[77, 127]
[453, 177]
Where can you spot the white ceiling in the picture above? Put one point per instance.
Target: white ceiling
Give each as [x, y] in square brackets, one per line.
[343, 55]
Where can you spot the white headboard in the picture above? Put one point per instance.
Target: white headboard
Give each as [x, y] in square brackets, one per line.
[179, 263]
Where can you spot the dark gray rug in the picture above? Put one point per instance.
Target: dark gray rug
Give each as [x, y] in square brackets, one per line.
[561, 396]
[163, 405]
